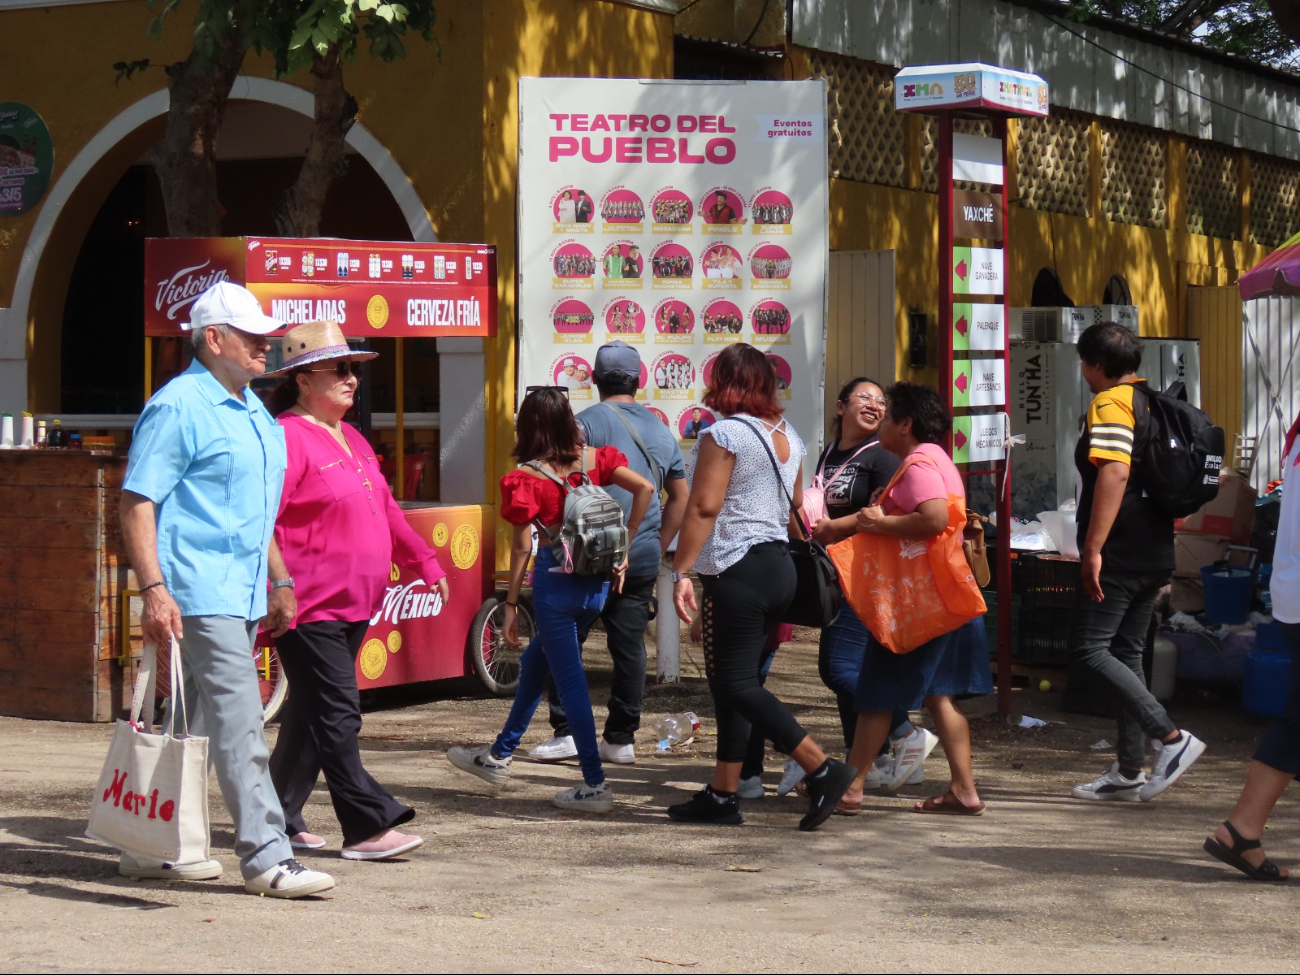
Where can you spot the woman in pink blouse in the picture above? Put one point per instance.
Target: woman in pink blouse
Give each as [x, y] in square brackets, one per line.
[339, 530]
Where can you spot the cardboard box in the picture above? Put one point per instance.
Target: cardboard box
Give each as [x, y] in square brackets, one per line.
[1191, 551]
[1230, 515]
[1187, 596]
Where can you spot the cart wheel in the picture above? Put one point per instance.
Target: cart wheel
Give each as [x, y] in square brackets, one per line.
[495, 661]
[271, 681]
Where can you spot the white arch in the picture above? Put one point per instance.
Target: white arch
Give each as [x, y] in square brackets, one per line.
[13, 320]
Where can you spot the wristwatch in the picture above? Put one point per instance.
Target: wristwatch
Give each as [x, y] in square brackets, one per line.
[678, 576]
[286, 583]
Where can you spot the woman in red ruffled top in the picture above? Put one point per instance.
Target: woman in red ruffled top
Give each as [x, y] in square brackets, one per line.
[563, 604]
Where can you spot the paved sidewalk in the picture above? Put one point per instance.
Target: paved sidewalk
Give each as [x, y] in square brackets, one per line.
[504, 882]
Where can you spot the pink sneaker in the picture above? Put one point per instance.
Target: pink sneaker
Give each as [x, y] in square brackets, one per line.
[385, 846]
[306, 841]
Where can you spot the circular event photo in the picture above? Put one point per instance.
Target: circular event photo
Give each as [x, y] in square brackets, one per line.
[624, 316]
[693, 421]
[721, 261]
[572, 205]
[661, 415]
[706, 367]
[573, 260]
[782, 369]
[770, 318]
[770, 261]
[722, 205]
[571, 371]
[671, 260]
[621, 205]
[622, 259]
[571, 316]
[722, 317]
[674, 317]
[672, 206]
[672, 370]
[771, 207]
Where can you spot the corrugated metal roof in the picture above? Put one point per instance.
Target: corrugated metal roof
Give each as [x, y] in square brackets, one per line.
[1115, 71]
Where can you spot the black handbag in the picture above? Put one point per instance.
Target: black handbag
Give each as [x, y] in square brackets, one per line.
[817, 596]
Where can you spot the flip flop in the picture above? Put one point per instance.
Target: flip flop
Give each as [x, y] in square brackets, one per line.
[1231, 855]
[948, 805]
[848, 807]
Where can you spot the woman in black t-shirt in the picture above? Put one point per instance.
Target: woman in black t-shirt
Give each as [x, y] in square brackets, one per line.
[853, 469]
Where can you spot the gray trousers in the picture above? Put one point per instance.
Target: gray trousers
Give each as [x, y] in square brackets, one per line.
[221, 693]
[1108, 638]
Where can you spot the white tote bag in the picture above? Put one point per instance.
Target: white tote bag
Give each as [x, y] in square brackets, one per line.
[152, 797]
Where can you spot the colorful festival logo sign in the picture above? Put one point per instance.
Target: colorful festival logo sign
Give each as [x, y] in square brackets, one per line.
[26, 158]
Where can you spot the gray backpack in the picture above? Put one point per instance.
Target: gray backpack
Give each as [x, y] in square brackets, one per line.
[592, 540]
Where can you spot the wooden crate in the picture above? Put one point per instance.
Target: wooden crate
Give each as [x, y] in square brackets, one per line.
[62, 572]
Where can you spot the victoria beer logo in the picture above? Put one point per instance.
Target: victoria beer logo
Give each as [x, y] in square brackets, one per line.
[177, 292]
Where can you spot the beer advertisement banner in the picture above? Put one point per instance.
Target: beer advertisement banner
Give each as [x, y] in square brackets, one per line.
[680, 217]
[392, 289]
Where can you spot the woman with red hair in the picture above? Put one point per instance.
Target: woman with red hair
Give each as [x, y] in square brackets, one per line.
[735, 536]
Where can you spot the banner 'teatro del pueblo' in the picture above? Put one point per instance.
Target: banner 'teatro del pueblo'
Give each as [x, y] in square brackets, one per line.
[679, 217]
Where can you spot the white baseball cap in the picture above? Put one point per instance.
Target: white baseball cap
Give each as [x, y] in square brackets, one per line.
[226, 303]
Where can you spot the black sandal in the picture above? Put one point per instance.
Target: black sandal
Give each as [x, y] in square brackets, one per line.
[1232, 856]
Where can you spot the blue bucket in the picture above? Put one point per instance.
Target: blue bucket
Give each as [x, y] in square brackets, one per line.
[1265, 678]
[1227, 592]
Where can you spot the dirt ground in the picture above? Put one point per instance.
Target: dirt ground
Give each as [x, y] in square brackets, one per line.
[505, 882]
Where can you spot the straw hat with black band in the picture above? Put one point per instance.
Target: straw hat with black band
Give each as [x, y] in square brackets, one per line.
[312, 342]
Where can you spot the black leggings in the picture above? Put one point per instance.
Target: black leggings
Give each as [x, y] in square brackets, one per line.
[741, 605]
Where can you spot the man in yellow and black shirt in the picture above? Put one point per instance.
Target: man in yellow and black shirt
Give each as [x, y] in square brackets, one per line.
[1126, 550]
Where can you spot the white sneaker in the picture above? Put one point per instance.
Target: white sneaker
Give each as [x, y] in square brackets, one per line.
[880, 775]
[146, 868]
[555, 749]
[910, 753]
[791, 777]
[750, 788]
[1171, 762]
[584, 798]
[1111, 786]
[478, 760]
[616, 754]
[289, 879]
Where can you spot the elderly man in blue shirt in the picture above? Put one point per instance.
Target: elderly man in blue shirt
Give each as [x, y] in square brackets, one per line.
[199, 502]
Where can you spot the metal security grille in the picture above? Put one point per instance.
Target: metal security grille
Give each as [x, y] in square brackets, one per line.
[1213, 175]
[1133, 185]
[1274, 200]
[868, 138]
[1052, 160]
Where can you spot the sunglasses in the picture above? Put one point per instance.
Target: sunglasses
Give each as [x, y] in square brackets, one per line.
[342, 369]
[529, 390]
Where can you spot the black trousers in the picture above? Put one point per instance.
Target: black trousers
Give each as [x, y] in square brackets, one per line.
[741, 606]
[319, 729]
[625, 616]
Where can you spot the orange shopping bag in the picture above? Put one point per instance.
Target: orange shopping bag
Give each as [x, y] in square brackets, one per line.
[908, 591]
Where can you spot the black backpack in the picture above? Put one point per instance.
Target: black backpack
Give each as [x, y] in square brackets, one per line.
[1178, 464]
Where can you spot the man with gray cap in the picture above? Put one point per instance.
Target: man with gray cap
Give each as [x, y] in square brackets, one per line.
[652, 451]
[199, 501]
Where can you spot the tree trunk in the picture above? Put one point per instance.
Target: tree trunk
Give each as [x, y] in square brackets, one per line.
[185, 157]
[298, 212]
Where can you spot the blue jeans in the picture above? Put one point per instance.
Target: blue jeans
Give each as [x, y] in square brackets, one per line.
[839, 662]
[563, 604]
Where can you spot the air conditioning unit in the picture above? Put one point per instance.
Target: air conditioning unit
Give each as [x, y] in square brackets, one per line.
[1067, 324]
[1048, 324]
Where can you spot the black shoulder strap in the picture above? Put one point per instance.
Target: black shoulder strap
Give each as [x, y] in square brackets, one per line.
[776, 469]
[640, 444]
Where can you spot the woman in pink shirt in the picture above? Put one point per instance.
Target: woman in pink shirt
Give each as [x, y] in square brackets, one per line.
[339, 530]
[915, 506]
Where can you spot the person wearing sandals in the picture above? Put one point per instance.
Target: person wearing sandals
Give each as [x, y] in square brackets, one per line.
[340, 531]
[852, 470]
[914, 425]
[735, 535]
[550, 449]
[1276, 762]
